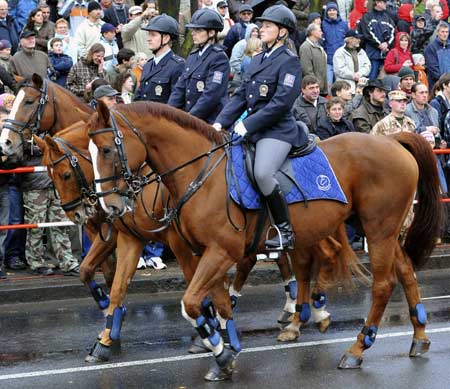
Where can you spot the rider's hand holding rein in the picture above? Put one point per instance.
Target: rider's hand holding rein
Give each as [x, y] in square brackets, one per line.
[217, 127]
[240, 129]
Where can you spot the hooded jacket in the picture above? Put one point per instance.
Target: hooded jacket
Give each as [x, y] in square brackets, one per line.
[420, 36]
[405, 20]
[357, 13]
[396, 56]
[334, 32]
[377, 27]
[237, 54]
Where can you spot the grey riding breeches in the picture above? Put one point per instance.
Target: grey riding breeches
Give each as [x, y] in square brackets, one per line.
[269, 157]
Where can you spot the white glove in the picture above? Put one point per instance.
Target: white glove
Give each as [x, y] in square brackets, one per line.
[217, 126]
[240, 129]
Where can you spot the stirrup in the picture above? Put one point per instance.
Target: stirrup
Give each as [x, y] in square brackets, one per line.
[275, 251]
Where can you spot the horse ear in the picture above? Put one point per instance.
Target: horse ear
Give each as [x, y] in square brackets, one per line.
[37, 80]
[103, 112]
[41, 144]
[19, 79]
[51, 142]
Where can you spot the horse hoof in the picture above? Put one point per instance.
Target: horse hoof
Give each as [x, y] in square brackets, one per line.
[287, 335]
[198, 347]
[324, 325]
[98, 353]
[349, 361]
[419, 347]
[285, 319]
[224, 366]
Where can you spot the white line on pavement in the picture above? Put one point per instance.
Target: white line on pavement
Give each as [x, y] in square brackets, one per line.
[197, 356]
[436, 297]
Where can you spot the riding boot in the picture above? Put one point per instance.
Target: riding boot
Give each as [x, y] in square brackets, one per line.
[279, 209]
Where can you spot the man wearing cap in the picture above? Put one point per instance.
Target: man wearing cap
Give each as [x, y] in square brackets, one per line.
[396, 121]
[28, 60]
[8, 30]
[133, 36]
[378, 30]
[108, 40]
[237, 32]
[161, 73]
[88, 32]
[117, 15]
[407, 80]
[350, 62]
[222, 9]
[234, 6]
[106, 94]
[372, 108]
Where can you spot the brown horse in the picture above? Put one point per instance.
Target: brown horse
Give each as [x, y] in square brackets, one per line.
[72, 180]
[379, 180]
[42, 106]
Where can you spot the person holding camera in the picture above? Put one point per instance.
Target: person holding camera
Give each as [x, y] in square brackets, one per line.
[133, 36]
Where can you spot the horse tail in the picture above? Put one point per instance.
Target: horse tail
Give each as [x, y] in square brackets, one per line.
[428, 216]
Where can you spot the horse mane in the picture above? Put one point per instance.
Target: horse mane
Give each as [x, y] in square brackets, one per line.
[172, 114]
[72, 127]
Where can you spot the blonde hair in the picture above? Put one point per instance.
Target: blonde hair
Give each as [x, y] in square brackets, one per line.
[140, 55]
[253, 46]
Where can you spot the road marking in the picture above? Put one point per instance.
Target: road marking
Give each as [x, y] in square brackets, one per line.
[199, 356]
[436, 298]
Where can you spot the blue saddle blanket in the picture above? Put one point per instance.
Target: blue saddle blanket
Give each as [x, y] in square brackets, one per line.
[312, 172]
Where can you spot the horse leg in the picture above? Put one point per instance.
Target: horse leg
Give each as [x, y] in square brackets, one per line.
[210, 272]
[243, 269]
[382, 254]
[97, 255]
[301, 262]
[128, 251]
[405, 273]
[290, 290]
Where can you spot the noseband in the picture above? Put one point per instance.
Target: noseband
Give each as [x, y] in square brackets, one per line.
[18, 127]
[88, 195]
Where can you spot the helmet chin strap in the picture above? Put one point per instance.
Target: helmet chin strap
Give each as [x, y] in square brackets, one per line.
[268, 48]
[161, 45]
[202, 45]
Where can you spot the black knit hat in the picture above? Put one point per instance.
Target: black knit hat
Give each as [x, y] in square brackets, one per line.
[93, 5]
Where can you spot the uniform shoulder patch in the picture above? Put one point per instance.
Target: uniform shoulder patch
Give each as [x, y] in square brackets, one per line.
[289, 80]
[217, 77]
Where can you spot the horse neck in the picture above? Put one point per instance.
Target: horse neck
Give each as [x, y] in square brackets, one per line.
[70, 109]
[171, 146]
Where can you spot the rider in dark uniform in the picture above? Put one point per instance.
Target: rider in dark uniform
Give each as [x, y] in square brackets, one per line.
[269, 89]
[161, 72]
[202, 88]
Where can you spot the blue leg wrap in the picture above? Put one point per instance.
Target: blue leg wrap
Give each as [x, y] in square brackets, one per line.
[206, 331]
[370, 335]
[114, 322]
[233, 336]
[291, 288]
[420, 313]
[99, 295]
[304, 310]
[319, 300]
[209, 312]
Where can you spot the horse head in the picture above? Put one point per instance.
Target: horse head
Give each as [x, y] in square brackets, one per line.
[109, 159]
[71, 172]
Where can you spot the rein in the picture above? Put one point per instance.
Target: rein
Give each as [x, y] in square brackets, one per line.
[18, 126]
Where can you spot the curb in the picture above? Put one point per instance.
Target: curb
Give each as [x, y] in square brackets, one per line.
[20, 287]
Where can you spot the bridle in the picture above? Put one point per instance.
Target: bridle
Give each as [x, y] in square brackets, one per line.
[136, 183]
[18, 126]
[88, 196]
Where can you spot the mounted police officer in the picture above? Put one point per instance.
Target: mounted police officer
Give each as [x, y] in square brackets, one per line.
[269, 89]
[160, 73]
[202, 88]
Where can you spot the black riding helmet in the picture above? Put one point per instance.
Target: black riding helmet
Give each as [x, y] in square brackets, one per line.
[281, 16]
[163, 24]
[206, 18]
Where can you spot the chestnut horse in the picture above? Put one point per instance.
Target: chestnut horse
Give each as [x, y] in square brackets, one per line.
[379, 175]
[73, 179]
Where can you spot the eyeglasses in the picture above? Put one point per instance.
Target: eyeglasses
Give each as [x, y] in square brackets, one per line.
[246, 13]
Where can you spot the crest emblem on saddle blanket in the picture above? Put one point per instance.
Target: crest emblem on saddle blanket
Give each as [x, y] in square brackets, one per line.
[158, 90]
[323, 182]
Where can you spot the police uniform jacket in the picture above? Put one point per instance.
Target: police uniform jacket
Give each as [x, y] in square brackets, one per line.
[268, 92]
[202, 88]
[158, 81]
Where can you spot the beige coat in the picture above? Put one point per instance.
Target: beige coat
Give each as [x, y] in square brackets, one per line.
[134, 38]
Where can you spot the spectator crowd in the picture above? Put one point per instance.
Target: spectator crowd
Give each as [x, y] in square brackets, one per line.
[377, 67]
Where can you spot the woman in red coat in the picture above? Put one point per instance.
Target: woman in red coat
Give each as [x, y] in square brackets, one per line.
[400, 55]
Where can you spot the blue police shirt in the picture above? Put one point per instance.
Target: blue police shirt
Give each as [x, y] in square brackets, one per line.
[158, 80]
[269, 89]
[202, 88]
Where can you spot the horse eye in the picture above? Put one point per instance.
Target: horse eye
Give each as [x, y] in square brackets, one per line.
[28, 102]
[106, 150]
[66, 176]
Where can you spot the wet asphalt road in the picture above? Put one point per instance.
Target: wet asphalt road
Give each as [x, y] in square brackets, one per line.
[43, 345]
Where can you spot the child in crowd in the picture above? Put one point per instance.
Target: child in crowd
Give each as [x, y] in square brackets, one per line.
[61, 63]
[5, 53]
[419, 69]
